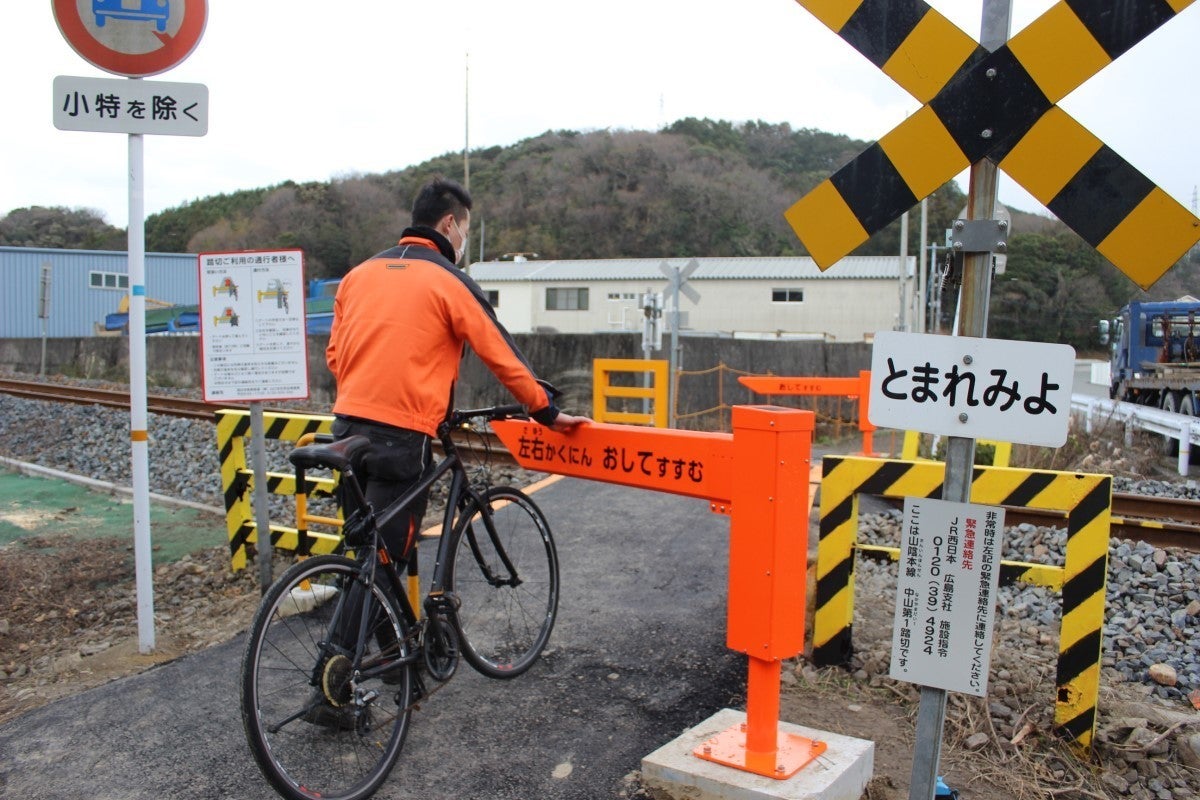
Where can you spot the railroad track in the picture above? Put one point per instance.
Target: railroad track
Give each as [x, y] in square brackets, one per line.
[1160, 521]
[59, 393]
[476, 442]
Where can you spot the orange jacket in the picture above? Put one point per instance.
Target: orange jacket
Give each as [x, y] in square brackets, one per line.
[399, 323]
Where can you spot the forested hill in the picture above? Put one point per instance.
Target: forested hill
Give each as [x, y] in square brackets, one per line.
[695, 188]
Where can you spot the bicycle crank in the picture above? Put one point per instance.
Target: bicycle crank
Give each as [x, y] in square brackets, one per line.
[440, 648]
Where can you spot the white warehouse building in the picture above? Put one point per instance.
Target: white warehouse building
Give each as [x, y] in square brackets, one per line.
[740, 297]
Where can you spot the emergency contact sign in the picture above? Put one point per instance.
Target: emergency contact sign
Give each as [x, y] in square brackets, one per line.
[946, 594]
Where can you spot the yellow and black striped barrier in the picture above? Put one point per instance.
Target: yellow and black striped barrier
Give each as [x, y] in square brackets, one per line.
[998, 105]
[237, 481]
[1087, 500]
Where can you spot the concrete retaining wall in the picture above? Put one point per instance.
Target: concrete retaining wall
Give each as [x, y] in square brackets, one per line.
[563, 359]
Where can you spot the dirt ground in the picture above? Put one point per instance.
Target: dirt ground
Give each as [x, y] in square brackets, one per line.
[70, 624]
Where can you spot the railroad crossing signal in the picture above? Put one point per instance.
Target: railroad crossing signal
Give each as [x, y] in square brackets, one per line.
[998, 105]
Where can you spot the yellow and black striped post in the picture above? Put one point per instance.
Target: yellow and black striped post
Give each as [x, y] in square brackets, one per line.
[1087, 499]
[233, 426]
[998, 105]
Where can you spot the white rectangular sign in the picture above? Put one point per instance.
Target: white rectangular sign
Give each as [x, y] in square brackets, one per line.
[252, 336]
[977, 388]
[120, 105]
[946, 594]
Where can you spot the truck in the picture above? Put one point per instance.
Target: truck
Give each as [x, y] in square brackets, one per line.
[1155, 358]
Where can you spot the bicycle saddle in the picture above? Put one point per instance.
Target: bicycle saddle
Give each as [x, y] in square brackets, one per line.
[336, 455]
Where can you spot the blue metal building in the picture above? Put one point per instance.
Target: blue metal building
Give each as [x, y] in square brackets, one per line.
[85, 287]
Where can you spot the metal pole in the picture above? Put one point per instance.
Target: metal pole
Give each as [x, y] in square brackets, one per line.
[673, 378]
[922, 305]
[648, 323]
[138, 426]
[467, 122]
[262, 516]
[960, 451]
[900, 325]
[42, 364]
[44, 311]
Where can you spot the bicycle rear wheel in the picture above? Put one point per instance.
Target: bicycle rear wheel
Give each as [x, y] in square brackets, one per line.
[315, 731]
[506, 579]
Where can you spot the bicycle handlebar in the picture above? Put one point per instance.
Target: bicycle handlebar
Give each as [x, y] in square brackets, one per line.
[457, 418]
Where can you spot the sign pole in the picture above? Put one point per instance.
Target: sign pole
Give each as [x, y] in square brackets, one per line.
[960, 451]
[139, 431]
[262, 517]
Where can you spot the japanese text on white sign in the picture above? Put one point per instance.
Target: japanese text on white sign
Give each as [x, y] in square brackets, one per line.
[946, 594]
[971, 387]
[252, 326]
[115, 105]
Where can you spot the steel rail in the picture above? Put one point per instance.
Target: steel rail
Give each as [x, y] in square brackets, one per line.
[476, 443]
[1160, 521]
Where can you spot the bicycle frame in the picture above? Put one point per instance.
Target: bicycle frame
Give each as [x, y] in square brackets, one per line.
[459, 492]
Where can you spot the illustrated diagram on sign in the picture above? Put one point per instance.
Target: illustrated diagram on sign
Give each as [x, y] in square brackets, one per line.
[999, 105]
[226, 317]
[277, 290]
[227, 287]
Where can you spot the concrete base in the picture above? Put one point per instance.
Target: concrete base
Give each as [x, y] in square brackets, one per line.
[841, 773]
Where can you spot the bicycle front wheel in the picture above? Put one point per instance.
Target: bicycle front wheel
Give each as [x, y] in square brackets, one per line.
[504, 570]
[319, 725]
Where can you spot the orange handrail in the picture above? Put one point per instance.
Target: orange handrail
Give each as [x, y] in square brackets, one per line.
[859, 387]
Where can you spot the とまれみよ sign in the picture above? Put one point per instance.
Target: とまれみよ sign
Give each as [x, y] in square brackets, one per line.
[971, 387]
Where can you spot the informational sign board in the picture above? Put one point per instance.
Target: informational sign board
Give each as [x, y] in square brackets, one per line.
[117, 105]
[971, 387]
[252, 336]
[134, 38]
[946, 594]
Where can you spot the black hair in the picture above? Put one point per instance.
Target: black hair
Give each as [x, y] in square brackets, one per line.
[437, 198]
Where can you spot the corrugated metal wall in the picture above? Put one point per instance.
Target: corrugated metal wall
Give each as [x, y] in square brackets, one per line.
[75, 306]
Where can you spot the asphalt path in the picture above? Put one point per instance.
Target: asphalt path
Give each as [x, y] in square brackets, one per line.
[637, 656]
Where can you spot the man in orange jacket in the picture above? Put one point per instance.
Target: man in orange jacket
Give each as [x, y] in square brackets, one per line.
[400, 320]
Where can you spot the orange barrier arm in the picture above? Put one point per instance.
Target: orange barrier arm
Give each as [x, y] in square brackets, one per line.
[759, 475]
[691, 463]
[859, 387]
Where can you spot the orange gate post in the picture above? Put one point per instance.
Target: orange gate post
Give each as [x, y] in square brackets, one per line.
[759, 476]
[859, 387]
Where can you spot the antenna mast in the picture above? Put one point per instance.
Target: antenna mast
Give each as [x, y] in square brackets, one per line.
[467, 121]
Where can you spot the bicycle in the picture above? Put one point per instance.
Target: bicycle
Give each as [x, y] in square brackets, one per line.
[337, 656]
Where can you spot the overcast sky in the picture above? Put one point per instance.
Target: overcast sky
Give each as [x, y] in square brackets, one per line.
[306, 90]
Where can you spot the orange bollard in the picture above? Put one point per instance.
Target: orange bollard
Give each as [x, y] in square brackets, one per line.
[767, 564]
[759, 476]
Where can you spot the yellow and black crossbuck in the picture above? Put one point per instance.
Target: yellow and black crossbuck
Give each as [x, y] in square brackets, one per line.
[998, 105]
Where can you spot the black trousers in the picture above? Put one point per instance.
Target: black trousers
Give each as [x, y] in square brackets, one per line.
[392, 465]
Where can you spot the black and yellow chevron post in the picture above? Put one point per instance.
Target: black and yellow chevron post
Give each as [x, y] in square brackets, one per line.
[233, 427]
[1087, 500]
[998, 105]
